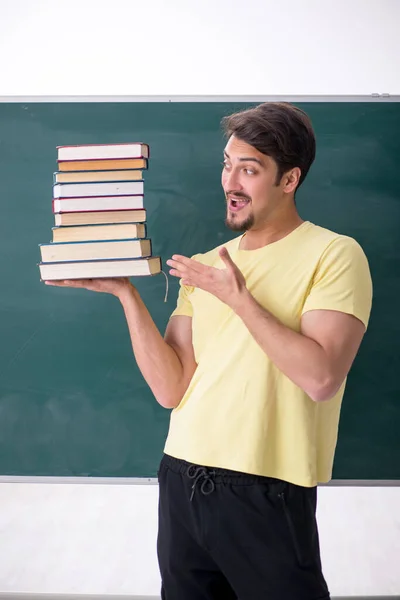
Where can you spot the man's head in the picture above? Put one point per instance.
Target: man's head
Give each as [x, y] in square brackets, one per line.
[269, 152]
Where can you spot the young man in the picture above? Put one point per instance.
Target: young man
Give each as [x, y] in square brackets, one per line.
[253, 363]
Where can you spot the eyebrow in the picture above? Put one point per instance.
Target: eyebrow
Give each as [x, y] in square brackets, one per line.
[246, 159]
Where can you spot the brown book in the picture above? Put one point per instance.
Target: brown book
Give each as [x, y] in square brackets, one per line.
[96, 176]
[86, 233]
[100, 268]
[102, 165]
[100, 217]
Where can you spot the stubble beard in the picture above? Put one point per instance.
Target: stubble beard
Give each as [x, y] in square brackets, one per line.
[240, 226]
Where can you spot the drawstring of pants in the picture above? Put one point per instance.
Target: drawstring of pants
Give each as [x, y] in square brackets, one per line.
[196, 473]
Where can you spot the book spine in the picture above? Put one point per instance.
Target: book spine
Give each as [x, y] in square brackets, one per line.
[102, 188]
[94, 242]
[140, 154]
[98, 225]
[123, 168]
[69, 173]
[143, 144]
[104, 204]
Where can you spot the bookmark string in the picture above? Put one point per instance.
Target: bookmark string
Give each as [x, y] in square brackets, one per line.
[166, 286]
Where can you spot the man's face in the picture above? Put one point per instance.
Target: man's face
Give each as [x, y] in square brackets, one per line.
[249, 182]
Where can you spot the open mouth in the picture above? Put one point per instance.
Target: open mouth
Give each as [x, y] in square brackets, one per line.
[236, 204]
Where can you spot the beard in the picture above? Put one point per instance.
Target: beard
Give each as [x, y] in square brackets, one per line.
[240, 226]
[232, 222]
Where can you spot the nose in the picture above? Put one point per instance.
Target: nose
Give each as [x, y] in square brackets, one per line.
[231, 182]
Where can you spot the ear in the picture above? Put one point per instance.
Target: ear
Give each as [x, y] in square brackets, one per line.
[291, 180]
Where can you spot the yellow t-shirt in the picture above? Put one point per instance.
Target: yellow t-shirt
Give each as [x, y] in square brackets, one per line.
[240, 412]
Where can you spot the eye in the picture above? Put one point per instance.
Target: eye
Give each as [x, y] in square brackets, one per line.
[249, 171]
[226, 165]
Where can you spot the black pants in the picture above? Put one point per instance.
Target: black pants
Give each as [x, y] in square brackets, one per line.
[225, 535]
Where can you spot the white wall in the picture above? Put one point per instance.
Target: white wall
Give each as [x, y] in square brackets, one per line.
[205, 47]
[100, 539]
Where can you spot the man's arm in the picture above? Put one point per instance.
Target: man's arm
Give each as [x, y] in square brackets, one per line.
[168, 363]
[318, 358]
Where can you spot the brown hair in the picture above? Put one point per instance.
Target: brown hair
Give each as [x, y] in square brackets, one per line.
[279, 130]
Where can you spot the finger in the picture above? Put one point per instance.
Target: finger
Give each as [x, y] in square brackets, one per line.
[189, 262]
[225, 256]
[76, 283]
[175, 273]
[178, 266]
[58, 283]
[185, 279]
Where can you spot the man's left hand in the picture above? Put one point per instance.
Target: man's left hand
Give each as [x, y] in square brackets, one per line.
[228, 285]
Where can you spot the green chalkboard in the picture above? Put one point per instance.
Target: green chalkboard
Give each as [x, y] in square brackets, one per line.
[72, 400]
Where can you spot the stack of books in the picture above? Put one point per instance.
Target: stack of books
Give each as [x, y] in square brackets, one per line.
[100, 218]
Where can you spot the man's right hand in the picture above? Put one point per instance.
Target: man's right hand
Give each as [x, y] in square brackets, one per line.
[117, 286]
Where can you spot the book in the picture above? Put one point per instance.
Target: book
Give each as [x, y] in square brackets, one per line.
[73, 251]
[100, 268]
[109, 188]
[97, 203]
[100, 219]
[96, 176]
[67, 219]
[99, 151]
[82, 233]
[103, 164]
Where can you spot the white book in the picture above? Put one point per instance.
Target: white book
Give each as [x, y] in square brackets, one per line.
[98, 250]
[97, 203]
[109, 188]
[101, 151]
[99, 268]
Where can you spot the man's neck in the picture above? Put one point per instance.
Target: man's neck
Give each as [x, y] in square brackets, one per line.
[270, 233]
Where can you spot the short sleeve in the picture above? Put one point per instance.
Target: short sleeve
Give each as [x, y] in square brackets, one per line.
[342, 281]
[184, 306]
